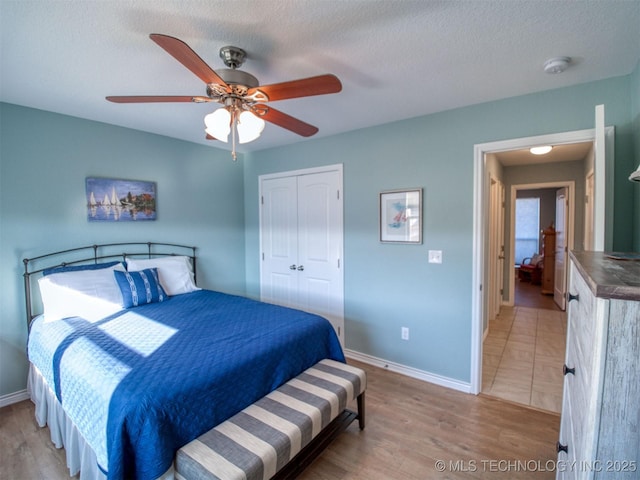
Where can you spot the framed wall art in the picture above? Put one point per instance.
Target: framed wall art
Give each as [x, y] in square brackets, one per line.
[401, 216]
[114, 200]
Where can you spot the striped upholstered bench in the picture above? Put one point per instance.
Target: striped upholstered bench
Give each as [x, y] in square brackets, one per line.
[280, 434]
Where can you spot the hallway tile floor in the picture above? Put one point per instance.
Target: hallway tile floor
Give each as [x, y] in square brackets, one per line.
[523, 356]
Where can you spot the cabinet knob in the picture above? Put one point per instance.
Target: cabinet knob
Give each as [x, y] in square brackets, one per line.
[292, 267]
[301, 268]
[562, 448]
[566, 370]
[571, 296]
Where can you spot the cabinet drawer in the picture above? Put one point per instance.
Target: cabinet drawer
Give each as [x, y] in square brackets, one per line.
[583, 336]
[584, 333]
[567, 435]
[577, 431]
[582, 318]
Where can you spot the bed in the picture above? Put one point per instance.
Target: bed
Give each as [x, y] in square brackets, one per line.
[123, 388]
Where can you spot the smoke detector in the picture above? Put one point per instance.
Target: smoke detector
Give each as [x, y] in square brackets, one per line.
[557, 64]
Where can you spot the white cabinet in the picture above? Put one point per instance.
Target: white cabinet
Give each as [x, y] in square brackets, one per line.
[301, 241]
[600, 420]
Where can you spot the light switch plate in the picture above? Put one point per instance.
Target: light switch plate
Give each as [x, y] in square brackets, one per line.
[435, 256]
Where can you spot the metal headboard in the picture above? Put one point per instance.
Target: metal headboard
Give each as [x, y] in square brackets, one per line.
[96, 254]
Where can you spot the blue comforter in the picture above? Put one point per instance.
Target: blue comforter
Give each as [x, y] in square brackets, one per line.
[145, 381]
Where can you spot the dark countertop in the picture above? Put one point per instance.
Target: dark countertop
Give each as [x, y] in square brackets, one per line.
[607, 277]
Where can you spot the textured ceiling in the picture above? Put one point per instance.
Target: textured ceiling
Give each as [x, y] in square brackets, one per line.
[396, 59]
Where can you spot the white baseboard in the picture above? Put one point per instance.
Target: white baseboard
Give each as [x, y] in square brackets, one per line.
[14, 397]
[410, 371]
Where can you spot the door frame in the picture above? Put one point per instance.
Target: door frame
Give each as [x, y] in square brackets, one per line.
[602, 227]
[571, 192]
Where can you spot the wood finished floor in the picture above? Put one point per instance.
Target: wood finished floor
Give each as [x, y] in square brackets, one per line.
[528, 295]
[524, 351]
[411, 424]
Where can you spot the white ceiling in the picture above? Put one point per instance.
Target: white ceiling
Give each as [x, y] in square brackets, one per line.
[396, 59]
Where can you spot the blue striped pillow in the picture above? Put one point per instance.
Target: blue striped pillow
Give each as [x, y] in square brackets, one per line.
[140, 288]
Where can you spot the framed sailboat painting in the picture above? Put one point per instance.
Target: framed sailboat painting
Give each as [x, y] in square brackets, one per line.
[113, 200]
[401, 216]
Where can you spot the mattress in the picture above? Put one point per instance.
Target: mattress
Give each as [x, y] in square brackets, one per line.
[145, 381]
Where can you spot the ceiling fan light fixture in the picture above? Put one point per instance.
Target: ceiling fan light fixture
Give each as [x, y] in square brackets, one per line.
[218, 124]
[249, 127]
[635, 176]
[541, 150]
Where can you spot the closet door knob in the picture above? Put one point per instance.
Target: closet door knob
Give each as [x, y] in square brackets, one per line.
[571, 296]
[562, 448]
[566, 370]
[292, 267]
[301, 268]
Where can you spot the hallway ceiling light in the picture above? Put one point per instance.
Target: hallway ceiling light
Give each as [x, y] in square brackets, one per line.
[635, 176]
[542, 150]
[557, 64]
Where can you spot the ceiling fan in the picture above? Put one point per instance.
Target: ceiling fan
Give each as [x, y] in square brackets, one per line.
[244, 100]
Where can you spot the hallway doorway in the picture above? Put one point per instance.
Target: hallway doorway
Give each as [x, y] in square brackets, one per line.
[484, 163]
[546, 194]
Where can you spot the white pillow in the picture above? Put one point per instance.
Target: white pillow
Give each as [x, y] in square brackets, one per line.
[90, 294]
[175, 272]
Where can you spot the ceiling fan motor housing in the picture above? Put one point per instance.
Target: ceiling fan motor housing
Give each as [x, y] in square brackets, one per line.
[238, 77]
[233, 57]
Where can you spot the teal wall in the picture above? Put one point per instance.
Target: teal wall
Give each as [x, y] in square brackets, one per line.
[389, 286]
[45, 159]
[207, 200]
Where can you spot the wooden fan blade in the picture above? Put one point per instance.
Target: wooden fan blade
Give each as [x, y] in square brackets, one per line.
[210, 137]
[283, 120]
[305, 87]
[152, 99]
[187, 57]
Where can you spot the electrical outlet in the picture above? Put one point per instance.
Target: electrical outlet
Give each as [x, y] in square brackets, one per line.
[435, 256]
[404, 333]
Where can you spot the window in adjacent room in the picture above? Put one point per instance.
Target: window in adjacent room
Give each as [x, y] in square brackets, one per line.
[527, 228]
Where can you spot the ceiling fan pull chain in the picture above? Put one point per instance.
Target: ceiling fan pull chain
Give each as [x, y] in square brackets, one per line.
[234, 119]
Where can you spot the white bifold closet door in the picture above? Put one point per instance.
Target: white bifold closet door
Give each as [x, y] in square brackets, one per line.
[301, 236]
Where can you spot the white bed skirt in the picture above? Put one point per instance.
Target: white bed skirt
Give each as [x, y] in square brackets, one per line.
[80, 456]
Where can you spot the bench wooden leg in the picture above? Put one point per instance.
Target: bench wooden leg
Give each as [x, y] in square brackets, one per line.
[361, 411]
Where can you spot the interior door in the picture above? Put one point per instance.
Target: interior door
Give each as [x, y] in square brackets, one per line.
[301, 229]
[279, 241]
[588, 211]
[560, 273]
[320, 246]
[501, 253]
[496, 247]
